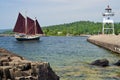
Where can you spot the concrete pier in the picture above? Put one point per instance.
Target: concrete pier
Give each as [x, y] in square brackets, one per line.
[110, 42]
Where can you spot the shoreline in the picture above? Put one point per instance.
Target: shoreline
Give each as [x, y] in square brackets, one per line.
[6, 35]
[110, 42]
[12, 35]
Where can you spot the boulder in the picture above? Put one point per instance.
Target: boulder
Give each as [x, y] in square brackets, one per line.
[101, 62]
[6, 72]
[44, 70]
[1, 73]
[117, 63]
[34, 70]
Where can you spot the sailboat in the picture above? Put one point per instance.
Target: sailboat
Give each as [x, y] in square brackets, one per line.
[27, 29]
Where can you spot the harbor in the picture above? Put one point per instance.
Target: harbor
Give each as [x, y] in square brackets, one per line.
[60, 40]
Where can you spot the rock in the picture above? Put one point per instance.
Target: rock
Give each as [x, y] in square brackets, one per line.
[5, 63]
[25, 67]
[117, 63]
[34, 70]
[20, 78]
[44, 70]
[1, 63]
[1, 73]
[11, 74]
[14, 67]
[25, 78]
[32, 78]
[6, 72]
[101, 62]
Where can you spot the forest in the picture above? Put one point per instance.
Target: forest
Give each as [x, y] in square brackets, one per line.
[77, 28]
[74, 29]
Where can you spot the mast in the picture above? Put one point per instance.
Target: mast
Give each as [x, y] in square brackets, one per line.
[26, 22]
[35, 26]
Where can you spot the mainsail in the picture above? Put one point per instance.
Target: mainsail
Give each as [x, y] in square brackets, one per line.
[30, 26]
[27, 26]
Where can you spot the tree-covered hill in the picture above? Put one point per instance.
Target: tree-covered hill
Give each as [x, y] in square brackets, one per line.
[77, 28]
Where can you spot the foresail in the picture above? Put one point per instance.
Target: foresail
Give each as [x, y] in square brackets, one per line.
[30, 26]
[38, 28]
[20, 24]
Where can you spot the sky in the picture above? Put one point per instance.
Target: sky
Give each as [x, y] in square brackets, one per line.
[53, 12]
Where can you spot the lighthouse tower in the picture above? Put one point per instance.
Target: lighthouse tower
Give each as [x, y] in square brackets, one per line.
[108, 23]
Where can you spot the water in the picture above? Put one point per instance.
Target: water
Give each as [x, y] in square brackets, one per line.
[68, 56]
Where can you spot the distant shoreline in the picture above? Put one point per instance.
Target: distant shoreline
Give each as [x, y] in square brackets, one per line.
[12, 35]
[4, 35]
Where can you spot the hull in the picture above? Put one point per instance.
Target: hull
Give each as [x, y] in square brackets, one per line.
[26, 37]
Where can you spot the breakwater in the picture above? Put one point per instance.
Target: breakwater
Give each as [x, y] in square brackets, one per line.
[110, 42]
[15, 67]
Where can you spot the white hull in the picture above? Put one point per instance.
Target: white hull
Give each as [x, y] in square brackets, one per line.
[23, 37]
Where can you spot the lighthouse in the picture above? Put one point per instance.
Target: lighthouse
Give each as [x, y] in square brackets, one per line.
[108, 23]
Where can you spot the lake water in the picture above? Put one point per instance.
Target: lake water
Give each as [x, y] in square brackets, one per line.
[68, 56]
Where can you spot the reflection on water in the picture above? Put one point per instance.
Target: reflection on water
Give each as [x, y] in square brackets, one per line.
[68, 56]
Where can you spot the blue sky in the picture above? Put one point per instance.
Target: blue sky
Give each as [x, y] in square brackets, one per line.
[52, 12]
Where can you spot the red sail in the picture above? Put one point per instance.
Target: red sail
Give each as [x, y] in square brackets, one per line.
[38, 28]
[30, 26]
[20, 24]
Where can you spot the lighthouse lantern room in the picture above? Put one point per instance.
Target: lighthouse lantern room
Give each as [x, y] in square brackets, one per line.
[108, 23]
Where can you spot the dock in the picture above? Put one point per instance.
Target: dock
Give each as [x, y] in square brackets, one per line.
[108, 41]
